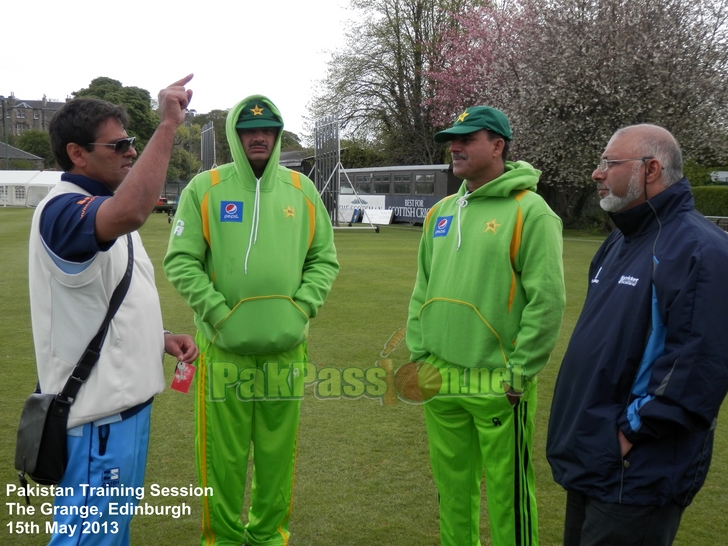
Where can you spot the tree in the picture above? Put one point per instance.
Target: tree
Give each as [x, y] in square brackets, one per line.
[378, 85]
[185, 160]
[570, 72]
[137, 101]
[37, 143]
[357, 154]
[182, 165]
[290, 141]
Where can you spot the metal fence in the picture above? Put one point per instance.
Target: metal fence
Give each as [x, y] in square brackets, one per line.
[720, 221]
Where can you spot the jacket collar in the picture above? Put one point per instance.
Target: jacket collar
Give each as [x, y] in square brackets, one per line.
[641, 219]
[88, 184]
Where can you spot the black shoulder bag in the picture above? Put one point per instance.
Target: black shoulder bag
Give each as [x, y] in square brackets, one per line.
[41, 449]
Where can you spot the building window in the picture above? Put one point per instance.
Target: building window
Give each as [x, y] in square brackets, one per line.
[382, 185]
[20, 114]
[425, 184]
[36, 114]
[345, 186]
[402, 184]
[363, 183]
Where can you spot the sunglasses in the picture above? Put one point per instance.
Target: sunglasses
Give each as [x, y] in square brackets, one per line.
[121, 146]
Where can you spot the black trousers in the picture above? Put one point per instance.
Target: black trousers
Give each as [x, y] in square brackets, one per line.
[590, 522]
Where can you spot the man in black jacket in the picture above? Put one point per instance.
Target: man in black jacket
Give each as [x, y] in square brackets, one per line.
[646, 370]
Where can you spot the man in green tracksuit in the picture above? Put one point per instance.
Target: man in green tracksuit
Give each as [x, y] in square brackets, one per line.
[252, 253]
[485, 313]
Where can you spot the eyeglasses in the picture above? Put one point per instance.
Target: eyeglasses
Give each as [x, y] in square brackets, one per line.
[604, 163]
[121, 146]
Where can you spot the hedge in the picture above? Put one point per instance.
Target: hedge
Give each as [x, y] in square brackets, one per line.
[711, 200]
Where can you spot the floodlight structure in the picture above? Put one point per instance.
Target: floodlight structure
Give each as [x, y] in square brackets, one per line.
[207, 142]
[327, 165]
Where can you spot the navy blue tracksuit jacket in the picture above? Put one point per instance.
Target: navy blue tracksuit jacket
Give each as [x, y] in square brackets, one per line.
[648, 356]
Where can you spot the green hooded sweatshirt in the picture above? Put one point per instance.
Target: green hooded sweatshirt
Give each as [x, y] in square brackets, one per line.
[255, 259]
[490, 286]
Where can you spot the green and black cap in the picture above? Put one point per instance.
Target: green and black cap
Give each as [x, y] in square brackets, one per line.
[257, 115]
[474, 119]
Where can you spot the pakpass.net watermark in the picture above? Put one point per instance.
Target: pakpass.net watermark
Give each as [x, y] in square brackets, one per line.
[413, 382]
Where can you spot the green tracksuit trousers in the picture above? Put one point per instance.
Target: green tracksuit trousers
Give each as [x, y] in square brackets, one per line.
[468, 434]
[241, 400]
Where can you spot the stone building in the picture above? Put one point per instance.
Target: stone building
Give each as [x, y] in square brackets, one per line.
[20, 115]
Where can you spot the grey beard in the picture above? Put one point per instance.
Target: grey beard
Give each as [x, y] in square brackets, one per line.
[612, 203]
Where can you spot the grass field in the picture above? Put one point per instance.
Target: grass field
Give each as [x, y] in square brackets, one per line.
[363, 474]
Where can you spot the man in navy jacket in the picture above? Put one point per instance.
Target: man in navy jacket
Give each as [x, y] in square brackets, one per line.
[646, 370]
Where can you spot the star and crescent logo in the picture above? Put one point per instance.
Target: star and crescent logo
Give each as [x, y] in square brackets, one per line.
[491, 226]
[462, 116]
[257, 111]
[290, 212]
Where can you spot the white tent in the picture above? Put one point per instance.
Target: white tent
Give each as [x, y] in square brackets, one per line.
[26, 188]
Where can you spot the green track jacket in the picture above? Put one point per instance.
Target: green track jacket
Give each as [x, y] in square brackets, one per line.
[252, 294]
[490, 285]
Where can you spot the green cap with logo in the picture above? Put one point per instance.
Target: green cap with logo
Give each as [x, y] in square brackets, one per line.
[474, 119]
[257, 115]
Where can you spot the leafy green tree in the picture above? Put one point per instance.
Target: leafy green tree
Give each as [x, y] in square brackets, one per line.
[290, 141]
[37, 143]
[137, 101]
[357, 154]
[182, 165]
[185, 161]
[188, 138]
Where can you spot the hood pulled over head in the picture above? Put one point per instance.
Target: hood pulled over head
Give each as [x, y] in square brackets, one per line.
[255, 111]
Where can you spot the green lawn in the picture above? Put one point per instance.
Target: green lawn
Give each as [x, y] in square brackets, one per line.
[363, 475]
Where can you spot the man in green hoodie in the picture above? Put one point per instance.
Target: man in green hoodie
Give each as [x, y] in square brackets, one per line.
[252, 253]
[484, 316]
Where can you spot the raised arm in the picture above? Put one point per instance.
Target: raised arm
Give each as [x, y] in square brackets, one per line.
[135, 198]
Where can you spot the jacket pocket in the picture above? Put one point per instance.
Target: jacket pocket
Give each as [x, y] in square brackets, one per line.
[262, 325]
[456, 332]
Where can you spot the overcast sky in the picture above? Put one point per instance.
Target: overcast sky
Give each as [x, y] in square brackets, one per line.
[278, 48]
